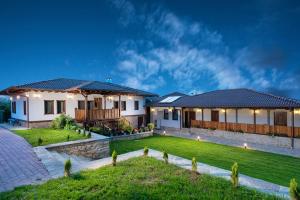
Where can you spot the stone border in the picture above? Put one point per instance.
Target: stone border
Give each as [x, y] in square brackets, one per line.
[132, 136]
[90, 148]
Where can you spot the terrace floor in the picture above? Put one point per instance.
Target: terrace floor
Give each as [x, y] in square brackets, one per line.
[19, 164]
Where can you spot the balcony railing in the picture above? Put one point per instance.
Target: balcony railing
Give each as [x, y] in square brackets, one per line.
[99, 114]
[247, 128]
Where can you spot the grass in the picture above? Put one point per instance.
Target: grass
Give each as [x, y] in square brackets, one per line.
[48, 135]
[267, 166]
[137, 178]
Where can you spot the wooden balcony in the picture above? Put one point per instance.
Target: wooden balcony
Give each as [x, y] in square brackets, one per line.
[96, 114]
[263, 129]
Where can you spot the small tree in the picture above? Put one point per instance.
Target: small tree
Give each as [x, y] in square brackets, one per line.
[294, 190]
[235, 175]
[68, 166]
[166, 157]
[150, 126]
[114, 158]
[194, 164]
[40, 141]
[146, 151]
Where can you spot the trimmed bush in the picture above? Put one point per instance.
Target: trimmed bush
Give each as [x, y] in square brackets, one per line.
[146, 151]
[235, 175]
[68, 166]
[194, 164]
[166, 157]
[294, 190]
[40, 141]
[150, 126]
[114, 158]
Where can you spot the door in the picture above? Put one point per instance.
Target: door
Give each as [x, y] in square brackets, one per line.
[98, 103]
[189, 116]
[140, 121]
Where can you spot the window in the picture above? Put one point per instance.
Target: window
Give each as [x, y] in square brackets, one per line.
[90, 105]
[123, 105]
[61, 107]
[13, 107]
[49, 107]
[24, 107]
[166, 114]
[214, 115]
[116, 105]
[81, 105]
[280, 118]
[136, 105]
[175, 114]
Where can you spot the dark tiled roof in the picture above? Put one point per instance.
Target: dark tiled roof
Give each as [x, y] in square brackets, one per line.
[63, 84]
[233, 98]
[156, 100]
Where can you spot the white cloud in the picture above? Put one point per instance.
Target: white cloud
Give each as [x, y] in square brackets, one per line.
[188, 52]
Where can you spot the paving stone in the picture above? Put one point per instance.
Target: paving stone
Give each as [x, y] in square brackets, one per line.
[19, 163]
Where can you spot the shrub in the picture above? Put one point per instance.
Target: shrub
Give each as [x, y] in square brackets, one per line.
[114, 158]
[146, 129]
[166, 157]
[68, 166]
[40, 141]
[123, 124]
[128, 129]
[68, 137]
[62, 121]
[89, 135]
[294, 190]
[194, 164]
[5, 106]
[235, 175]
[150, 126]
[146, 151]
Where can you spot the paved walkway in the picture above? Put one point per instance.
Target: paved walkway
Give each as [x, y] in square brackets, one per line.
[54, 164]
[19, 165]
[235, 143]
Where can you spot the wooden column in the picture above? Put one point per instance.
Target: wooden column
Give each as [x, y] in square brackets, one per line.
[202, 117]
[180, 119]
[254, 120]
[225, 113]
[293, 127]
[85, 108]
[269, 120]
[236, 116]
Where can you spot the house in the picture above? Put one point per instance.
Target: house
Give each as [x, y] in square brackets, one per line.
[37, 104]
[239, 110]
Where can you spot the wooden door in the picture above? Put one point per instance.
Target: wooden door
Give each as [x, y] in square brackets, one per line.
[280, 118]
[189, 116]
[214, 115]
[98, 103]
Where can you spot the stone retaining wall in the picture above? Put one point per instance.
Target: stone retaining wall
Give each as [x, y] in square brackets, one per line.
[90, 148]
[243, 137]
[132, 136]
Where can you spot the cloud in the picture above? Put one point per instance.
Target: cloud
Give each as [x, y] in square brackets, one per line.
[192, 55]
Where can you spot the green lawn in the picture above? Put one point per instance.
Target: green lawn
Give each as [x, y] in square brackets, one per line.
[49, 136]
[267, 166]
[137, 178]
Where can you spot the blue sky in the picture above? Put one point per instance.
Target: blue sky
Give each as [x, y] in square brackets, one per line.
[158, 46]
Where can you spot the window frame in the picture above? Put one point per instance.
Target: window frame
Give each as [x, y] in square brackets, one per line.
[81, 102]
[136, 104]
[63, 108]
[285, 118]
[166, 114]
[116, 103]
[175, 115]
[52, 108]
[25, 107]
[123, 105]
[14, 107]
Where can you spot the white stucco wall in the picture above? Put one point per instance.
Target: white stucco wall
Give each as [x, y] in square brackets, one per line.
[244, 116]
[36, 105]
[158, 115]
[19, 108]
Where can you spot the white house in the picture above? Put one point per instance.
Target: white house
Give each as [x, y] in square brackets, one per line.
[239, 110]
[37, 104]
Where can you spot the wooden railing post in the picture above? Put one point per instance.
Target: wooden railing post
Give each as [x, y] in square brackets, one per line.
[225, 119]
